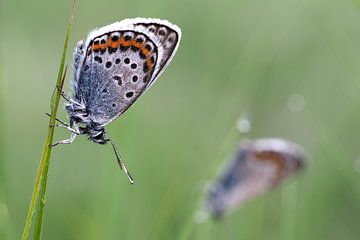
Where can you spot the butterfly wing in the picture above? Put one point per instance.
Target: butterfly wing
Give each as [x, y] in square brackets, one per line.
[258, 167]
[120, 62]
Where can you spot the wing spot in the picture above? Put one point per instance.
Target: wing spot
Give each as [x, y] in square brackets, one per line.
[135, 78]
[133, 65]
[114, 38]
[148, 47]
[162, 32]
[105, 90]
[98, 59]
[117, 61]
[129, 94]
[152, 59]
[108, 64]
[134, 48]
[142, 55]
[146, 78]
[123, 48]
[145, 68]
[151, 29]
[127, 38]
[113, 104]
[102, 41]
[86, 67]
[139, 40]
[118, 79]
[112, 50]
[171, 39]
[126, 60]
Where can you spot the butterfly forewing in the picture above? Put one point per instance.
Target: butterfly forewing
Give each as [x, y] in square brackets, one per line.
[120, 62]
[117, 68]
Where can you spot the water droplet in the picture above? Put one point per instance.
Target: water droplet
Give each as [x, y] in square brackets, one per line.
[296, 102]
[243, 125]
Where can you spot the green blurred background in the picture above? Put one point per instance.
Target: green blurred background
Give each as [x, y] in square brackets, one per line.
[289, 67]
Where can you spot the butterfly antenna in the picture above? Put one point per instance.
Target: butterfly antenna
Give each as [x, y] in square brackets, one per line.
[121, 162]
[64, 123]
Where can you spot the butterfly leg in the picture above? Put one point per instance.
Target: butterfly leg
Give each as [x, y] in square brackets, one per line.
[64, 125]
[65, 96]
[73, 130]
[66, 141]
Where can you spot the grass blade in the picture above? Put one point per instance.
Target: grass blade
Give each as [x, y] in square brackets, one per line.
[42, 173]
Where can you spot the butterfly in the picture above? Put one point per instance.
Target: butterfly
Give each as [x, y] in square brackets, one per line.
[257, 167]
[113, 67]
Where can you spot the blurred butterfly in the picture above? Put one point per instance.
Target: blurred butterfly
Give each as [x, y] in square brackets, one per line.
[257, 167]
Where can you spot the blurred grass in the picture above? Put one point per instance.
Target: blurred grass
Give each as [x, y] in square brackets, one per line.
[237, 58]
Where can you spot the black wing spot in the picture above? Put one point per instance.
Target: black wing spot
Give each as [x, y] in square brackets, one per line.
[148, 47]
[127, 38]
[108, 64]
[114, 38]
[133, 65]
[135, 78]
[135, 49]
[118, 79]
[113, 104]
[126, 60]
[142, 55]
[86, 67]
[171, 39]
[161, 32]
[145, 68]
[152, 59]
[139, 40]
[102, 41]
[105, 90]
[129, 94]
[112, 50]
[98, 59]
[117, 61]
